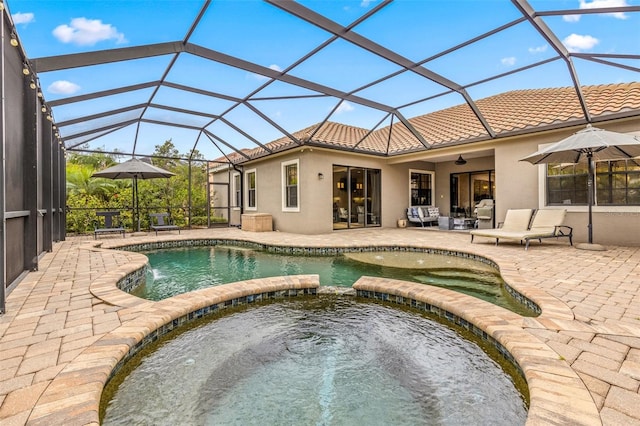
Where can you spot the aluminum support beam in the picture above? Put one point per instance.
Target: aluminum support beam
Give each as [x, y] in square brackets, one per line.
[541, 27]
[86, 59]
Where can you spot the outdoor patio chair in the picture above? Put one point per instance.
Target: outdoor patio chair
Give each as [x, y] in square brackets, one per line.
[423, 215]
[515, 221]
[343, 214]
[162, 222]
[107, 222]
[547, 223]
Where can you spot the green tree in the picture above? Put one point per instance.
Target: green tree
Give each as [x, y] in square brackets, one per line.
[87, 194]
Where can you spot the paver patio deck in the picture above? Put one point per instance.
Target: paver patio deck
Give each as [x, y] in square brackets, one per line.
[59, 318]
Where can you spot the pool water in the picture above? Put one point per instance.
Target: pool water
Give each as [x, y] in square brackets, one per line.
[318, 361]
[176, 271]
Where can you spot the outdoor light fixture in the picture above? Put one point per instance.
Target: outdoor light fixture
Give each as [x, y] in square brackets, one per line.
[320, 175]
[460, 161]
[14, 39]
[43, 108]
[25, 70]
[33, 86]
[1, 6]
[39, 94]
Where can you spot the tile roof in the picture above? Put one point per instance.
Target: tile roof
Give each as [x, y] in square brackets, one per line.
[518, 111]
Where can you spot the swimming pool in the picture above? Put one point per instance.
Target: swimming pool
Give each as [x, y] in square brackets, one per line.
[179, 270]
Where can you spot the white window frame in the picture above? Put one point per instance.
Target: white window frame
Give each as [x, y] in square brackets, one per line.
[235, 178]
[433, 184]
[283, 167]
[248, 188]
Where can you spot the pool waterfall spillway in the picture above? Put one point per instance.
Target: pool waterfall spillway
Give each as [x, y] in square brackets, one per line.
[500, 328]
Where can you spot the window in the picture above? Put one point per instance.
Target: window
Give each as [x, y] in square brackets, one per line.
[251, 189]
[421, 188]
[290, 187]
[617, 183]
[237, 194]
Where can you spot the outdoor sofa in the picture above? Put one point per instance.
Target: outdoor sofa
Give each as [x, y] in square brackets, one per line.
[546, 223]
[423, 215]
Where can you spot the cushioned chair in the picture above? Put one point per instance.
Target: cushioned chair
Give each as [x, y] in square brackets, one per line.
[547, 223]
[423, 215]
[431, 216]
[484, 209]
[343, 214]
[516, 220]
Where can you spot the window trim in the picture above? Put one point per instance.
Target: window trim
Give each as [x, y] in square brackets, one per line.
[283, 184]
[433, 185]
[248, 189]
[576, 208]
[235, 191]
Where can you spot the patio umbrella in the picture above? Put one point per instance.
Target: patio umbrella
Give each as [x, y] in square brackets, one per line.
[134, 169]
[590, 145]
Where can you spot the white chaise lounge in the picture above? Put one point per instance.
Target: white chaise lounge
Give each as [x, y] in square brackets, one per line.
[546, 223]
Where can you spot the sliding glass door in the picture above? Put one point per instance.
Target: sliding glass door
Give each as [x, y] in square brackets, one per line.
[356, 197]
[467, 189]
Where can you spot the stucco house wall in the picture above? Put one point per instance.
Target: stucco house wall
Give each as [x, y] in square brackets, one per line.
[518, 184]
[316, 209]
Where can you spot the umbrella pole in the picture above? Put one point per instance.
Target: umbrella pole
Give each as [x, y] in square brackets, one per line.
[135, 180]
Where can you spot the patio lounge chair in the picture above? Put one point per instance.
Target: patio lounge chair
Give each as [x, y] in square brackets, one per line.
[162, 222]
[516, 220]
[547, 223]
[110, 223]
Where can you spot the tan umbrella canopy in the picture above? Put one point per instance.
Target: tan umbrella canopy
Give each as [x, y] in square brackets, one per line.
[590, 144]
[134, 169]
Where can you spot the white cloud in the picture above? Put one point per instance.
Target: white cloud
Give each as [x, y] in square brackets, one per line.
[63, 87]
[578, 43]
[87, 32]
[365, 3]
[344, 107]
[599, 4]
[262, 77]
[538, 49]
[509, 62]
[23, 18]
[571, 18]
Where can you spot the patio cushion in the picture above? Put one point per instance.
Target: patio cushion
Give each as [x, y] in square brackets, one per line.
[546, 223]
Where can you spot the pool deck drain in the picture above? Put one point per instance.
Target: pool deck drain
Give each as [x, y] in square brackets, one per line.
[54, 335]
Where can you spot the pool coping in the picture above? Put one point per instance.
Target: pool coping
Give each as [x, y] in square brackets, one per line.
[75, 392]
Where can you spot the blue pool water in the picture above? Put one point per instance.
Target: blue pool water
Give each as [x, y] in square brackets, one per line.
[175, 271]
[321, 361]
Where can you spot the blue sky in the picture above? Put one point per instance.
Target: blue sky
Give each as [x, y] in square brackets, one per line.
[262, 33]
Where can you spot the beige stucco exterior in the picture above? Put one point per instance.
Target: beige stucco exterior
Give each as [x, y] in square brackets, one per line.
[518, 184]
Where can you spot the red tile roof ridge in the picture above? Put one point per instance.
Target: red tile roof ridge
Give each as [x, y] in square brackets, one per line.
[512, 111]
